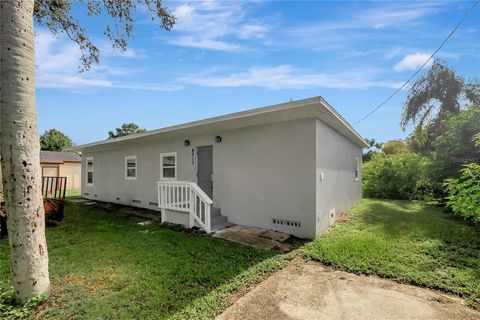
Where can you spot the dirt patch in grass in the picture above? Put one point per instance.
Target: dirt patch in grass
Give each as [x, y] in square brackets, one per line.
[343, 218]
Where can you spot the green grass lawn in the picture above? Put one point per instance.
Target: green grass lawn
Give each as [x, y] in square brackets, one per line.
[105, 266]
[72, 193]
[407, 241]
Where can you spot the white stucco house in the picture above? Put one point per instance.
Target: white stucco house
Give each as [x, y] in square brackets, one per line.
[292, 167]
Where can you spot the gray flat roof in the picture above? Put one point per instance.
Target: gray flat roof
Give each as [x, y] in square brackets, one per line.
[315, 107]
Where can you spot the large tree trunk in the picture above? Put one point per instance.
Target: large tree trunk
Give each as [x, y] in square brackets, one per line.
[20, 148]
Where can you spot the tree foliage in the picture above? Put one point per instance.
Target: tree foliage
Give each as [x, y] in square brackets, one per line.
[419, 140]
[54, 140]
[472, 92]
[402, 175]
[464, 193]
[456, 146]
[373, 148]
[58, 16]
[432, 97]
[124, 130]
[385, 175]
[436, 93]
[394, 147]
[476, 140]
[442, 146]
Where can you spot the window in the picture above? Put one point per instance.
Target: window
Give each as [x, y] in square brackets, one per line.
[131, 167]
[89, 165]
[357, 169]
[168, 166]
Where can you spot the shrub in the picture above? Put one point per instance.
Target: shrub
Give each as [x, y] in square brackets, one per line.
[397, 176]
[464, 193]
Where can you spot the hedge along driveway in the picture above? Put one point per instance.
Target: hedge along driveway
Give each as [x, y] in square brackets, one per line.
[106, 266]
[408, 241]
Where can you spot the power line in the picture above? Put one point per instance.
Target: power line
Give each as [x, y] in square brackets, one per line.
[423, 65]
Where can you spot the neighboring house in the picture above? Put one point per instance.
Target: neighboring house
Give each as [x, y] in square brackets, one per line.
[62, 164]
[293, 167]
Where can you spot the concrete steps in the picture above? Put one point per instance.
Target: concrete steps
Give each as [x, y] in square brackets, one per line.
[215, 211]
[217, 220]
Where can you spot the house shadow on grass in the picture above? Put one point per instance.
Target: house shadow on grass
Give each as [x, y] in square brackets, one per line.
[107, 266]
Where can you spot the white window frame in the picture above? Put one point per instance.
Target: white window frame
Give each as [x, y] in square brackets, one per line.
[356, 171]
[88, 159]
[126, 167]
[168, 154]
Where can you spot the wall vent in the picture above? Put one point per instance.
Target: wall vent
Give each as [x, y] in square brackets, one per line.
[155, 204]
[86, 194]
[286, 223]
[136, 201]
[333, 216]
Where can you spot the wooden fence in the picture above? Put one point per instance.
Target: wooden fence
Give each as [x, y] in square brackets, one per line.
[54, 187]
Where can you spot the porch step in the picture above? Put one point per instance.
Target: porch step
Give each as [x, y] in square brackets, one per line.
[215, 212]
[219, 222]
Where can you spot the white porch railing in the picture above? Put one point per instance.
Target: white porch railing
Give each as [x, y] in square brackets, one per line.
[185, 196]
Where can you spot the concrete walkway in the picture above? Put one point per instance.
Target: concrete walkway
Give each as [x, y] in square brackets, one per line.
[255, 237]
[308, 290]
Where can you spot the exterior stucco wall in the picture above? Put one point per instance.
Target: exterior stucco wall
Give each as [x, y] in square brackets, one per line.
[259, 173]
[267, 172]
[109, 183]
[337, 191]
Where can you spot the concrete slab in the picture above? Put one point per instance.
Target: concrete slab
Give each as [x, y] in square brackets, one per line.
[254, 237]
[275, 235]
[309, 290]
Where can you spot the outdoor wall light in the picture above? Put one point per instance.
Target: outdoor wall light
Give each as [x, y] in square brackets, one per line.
[186, 143]
[218, 139]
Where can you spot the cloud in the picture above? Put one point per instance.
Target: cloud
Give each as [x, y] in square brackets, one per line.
[52, 57]
[394, 52]
[205, 43]
[77, 83]
[250, 31]
[397, 14]
[215, 25]
[107, 51]
[58, 63]
[412, 61]
[287, 77]
[379, 26]
[210, 19]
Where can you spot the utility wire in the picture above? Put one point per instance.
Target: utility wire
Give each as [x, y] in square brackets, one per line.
[420, 69]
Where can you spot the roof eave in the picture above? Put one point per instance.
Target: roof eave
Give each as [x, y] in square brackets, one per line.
[362, 143]
[229, 117]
